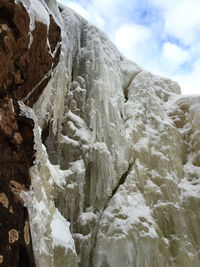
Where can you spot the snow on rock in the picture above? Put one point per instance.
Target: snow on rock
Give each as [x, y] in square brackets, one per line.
[118, 180]
[37, 12]
[60, 232]
[62, 238]
[45, 220]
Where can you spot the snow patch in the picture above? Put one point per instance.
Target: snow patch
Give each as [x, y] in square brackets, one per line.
[60, 232]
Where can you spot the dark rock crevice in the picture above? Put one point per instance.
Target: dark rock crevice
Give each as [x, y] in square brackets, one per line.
[122, 180]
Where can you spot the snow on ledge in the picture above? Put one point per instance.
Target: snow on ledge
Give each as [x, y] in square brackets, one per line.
[60, 232]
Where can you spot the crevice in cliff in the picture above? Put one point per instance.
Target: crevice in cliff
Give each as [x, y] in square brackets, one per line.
[125, 89]
[87, 186]
[121, 182]
[83, 38]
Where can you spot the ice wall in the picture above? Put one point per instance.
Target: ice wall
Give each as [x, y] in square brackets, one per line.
[117, 182]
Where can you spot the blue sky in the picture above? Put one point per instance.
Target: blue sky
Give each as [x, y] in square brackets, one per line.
[163, 36]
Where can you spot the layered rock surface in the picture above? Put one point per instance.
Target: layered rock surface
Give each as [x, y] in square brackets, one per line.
[25, 60]
[116, 174]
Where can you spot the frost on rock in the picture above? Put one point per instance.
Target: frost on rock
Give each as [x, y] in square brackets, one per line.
[37, 12]
[118, 181]
[52, 241]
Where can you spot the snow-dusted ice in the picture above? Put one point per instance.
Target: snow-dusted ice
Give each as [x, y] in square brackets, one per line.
[118, 181]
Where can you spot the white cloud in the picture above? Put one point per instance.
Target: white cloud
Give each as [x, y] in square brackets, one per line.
[130, 36]
[132, 39]
[181, 18]
[174, 55]
[110, 8]
[190, 82]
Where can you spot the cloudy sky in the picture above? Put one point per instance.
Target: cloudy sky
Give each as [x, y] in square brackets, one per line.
[163, 36]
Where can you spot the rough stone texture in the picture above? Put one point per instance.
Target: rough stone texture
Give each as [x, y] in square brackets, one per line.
[21, 70]
[19, 65]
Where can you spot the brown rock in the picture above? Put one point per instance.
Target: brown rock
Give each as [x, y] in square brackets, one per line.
[22, 77]
[19, 65]
[13, 236]
[11, 209]
[16, 189]
[18, 138]
[4, 200]
[16, 186]
[26, 233]
[17, 77]
[1, 258]
[8, 123]
[54, 31]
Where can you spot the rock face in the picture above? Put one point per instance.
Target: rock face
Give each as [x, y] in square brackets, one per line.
[115, 178]
[25, 60]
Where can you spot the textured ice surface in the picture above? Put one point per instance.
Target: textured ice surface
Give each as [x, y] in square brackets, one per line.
[121, 162]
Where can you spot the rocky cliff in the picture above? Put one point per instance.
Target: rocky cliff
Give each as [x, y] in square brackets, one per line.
[29, 50]
[103, 154]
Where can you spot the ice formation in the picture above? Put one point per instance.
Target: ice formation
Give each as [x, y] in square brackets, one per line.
[117, 182]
